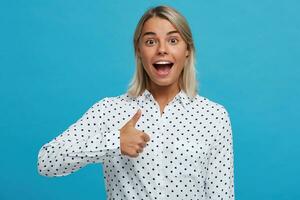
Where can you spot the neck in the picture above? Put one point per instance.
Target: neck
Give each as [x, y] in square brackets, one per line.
[164, 93]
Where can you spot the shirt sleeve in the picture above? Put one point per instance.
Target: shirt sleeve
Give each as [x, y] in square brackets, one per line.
[219, 182]
[82, 143]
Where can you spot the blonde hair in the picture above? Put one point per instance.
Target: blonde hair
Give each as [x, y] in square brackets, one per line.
[187, 79]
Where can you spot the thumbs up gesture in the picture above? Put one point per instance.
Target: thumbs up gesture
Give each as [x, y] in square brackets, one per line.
[132, 140]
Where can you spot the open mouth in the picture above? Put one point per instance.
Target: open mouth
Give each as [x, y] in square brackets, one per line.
[163, 68]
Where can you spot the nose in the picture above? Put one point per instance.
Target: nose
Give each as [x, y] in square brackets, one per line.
[162, 49]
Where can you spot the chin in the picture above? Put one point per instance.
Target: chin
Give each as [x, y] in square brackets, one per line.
[163, 83]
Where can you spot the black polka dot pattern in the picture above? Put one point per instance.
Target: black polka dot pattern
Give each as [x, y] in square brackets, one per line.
[189, 155]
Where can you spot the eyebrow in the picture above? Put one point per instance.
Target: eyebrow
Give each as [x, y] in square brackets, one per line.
[152, 33]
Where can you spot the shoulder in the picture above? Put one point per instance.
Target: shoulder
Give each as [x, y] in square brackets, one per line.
[112, 101]
[208, 105]
[216, 114]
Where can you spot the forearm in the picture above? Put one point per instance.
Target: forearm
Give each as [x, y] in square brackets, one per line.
[60, 157]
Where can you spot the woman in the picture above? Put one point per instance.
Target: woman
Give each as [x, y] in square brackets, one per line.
[160, 140]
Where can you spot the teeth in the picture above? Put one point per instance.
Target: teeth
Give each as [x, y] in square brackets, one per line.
[162, 62]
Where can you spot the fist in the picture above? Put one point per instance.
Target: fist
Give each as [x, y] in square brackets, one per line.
[132, 140]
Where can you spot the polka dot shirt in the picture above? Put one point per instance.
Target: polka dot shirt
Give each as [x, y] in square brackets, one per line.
[189, 155]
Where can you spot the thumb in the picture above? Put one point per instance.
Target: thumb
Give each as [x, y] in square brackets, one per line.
[136, 117]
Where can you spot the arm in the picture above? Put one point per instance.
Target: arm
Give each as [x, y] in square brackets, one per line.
[219, 182]
[82, 143]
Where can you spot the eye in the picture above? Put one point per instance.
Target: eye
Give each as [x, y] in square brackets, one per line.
[173, 41]
[150, 42]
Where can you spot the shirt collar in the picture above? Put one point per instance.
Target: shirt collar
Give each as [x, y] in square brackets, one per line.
[181, 97]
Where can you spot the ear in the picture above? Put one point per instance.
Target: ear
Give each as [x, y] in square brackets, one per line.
[138, 51]
[187, 53]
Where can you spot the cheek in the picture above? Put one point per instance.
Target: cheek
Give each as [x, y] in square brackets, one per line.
[181, 61]
[181, 58]
[146, 61]
[180, 53]
[146, 56]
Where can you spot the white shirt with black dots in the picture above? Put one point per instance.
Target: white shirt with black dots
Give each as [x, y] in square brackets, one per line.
[189, 155]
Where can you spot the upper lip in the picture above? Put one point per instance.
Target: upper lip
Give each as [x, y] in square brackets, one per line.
[163, 62]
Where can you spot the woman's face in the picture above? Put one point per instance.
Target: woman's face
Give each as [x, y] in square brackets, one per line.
[163, 52]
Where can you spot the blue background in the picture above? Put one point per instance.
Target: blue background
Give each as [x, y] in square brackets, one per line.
[58, 57]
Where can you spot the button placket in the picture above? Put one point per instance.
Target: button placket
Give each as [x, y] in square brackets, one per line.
[160, 141]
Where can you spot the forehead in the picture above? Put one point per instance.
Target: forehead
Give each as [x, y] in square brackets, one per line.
[158, 25]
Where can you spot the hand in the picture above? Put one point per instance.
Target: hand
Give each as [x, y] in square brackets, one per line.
[132, 140]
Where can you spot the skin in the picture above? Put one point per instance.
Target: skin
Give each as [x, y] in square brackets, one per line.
[132, 140]
[160, 40]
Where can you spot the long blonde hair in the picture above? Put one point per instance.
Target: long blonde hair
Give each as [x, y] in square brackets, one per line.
[187, 79]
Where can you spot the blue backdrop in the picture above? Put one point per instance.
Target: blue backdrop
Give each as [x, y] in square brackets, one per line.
[57, 58]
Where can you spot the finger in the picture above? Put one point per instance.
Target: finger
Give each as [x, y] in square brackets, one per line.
[140, 150]
[142, 145]
[146, 137]
[135, 153]
[136, 117]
